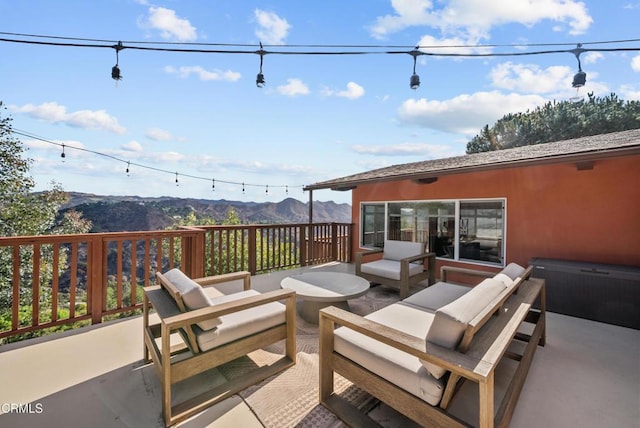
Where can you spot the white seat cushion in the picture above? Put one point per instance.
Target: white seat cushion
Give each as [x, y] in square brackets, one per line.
[193, 295]
[240, 324]
[398, 367]
[450, 321]
[389, 268]
[438, 295]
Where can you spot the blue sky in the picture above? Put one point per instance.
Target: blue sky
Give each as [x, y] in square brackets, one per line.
[318, 117]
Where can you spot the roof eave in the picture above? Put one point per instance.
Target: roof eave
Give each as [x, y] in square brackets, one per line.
[554, 159]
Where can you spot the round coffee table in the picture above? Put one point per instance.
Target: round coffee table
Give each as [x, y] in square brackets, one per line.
[318, 290]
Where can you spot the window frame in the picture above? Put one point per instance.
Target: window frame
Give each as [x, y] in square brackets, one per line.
[458, 255]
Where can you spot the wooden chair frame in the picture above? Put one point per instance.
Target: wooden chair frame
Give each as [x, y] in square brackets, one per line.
[165, 299]
[484, 344]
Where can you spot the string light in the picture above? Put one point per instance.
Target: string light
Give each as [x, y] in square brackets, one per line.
[579, 78]
[115, 70]
[148, 167]
[128, 165]
[177, 184]
[62, 155]
[213, 185]
[260, 77]
[414, 81]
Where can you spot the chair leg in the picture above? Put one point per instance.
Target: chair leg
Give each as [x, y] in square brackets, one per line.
[325, 330]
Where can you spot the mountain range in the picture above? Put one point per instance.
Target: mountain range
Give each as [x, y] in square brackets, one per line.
[136, 213]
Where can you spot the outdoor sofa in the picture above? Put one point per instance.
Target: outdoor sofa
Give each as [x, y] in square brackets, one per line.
[412, 354]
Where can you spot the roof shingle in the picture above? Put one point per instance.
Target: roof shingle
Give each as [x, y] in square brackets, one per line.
[574, 150]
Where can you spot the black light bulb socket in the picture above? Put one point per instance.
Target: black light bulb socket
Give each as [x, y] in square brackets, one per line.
[260, 80]
[414, 82]
[579, 79]
[115, 73]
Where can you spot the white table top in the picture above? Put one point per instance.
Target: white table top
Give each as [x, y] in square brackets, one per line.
[326, 286]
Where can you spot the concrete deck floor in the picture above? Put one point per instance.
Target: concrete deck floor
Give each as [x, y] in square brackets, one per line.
[587, 375]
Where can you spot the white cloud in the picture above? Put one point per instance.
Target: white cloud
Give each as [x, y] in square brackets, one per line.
[88, 119]
[635, 63]
[530, 78]
[272, 28]
[406, 149]
[591, 57]
[158, 134]
[629, 93]
[169, 156]
[171, 26]
[465, 114]
[203, 74]
[293, 88]
[132, 146]
[441, 45]
[477, 17]
[353, 91]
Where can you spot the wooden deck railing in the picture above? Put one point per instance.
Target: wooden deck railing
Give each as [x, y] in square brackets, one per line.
[51, 280]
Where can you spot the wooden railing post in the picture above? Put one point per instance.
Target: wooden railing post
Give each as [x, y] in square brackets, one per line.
[193, 253]
[252, 250]
[97, 279]
[334, 241]
[303, 245]
[312, 244]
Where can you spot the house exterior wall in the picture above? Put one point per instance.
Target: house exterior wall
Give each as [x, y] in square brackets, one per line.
[553, 211]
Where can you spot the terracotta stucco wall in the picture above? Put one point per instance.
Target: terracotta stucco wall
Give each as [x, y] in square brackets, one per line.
[553, 211]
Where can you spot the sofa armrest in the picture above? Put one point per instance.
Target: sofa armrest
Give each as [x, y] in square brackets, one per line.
[463, 365]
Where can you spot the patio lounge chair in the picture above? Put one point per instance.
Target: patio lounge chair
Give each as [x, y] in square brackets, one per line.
[413, 353]
[215, 329]
[401, 265]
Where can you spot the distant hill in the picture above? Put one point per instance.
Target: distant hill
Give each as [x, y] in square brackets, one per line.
[131, 213]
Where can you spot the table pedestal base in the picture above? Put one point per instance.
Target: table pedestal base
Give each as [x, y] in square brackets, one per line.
[309, 310]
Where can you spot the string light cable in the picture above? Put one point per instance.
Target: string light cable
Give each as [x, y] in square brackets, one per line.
[130, 164]
[323, 49]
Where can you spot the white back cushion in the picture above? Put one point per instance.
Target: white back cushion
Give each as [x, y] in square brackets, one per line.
[398, 250]
[193, 295]
[513, 270]
[451, 320]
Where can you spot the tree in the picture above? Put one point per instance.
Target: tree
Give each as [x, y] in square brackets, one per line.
[25, 213]
[557, 121]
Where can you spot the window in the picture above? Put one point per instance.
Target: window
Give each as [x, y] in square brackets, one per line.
[466, 230]
[429, 222]
[481, 230]
[373, 225]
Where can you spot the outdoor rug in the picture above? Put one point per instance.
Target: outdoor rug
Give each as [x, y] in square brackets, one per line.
[290, 398]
